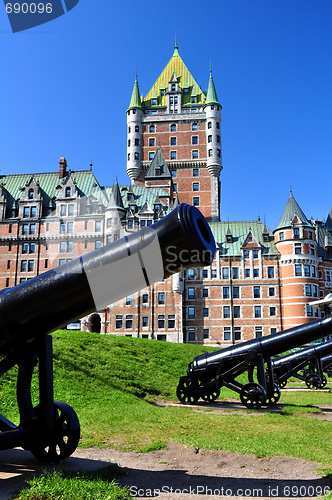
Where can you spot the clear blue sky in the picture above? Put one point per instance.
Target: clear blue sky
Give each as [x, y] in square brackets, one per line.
[66, 86]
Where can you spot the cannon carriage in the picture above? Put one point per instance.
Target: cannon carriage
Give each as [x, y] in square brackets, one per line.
[207, 373]
[32, 310]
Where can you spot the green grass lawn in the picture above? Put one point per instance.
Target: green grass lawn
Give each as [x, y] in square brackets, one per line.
[112, 383]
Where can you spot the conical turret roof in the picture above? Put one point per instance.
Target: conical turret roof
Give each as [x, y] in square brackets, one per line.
[211, 96]
[329, 221]
[292, 209]
[135, 101]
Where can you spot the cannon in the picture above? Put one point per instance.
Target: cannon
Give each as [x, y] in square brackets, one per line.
[30, 311]
[207, 373]
[327, 365]
[305, 365]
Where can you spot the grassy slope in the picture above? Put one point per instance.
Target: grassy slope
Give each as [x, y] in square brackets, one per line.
[111, 381]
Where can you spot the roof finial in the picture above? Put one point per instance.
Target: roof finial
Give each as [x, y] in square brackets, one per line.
[290, 188]
[210, 67]
[176, 52]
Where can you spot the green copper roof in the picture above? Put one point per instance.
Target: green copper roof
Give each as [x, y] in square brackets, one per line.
[211, 96]
[135, 101]
[292, 209]
[185, 78]
[239, 232]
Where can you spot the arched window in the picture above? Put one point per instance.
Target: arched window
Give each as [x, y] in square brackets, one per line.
[30, 194]
[68, 192]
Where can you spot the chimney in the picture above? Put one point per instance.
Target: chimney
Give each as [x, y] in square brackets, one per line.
[63, 167]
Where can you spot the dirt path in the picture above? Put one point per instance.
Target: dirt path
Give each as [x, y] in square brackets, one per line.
[181, 473]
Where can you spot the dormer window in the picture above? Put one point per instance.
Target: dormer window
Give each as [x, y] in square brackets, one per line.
[30, 194]
[229, 238]
[173, 87]
[68, 192]
[296, 232]
[193, 99]
[162, 91]
[157, 207]
[154, 101]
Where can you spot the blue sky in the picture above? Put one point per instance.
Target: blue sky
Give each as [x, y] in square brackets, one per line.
[66, 86]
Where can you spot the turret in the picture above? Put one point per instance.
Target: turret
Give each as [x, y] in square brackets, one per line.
[213, 143]
[134, 133]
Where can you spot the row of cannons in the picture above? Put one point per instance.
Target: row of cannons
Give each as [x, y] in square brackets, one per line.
[32, 310]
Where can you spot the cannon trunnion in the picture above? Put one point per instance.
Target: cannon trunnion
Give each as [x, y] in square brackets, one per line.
[32, 310]
[207, 373]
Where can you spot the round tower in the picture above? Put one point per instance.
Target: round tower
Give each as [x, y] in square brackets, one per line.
[213, 144]
[134, 134]
[295, 240]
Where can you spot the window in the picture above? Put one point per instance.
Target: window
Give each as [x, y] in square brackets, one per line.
[308, 310]
[63, 247]
[191, 313]
[256, 273]
[32, 247]
[62, 261]
[70, 227]
[161, 321]
[236, 292]
[226, 312]
[315, 290]
[173, 141]
[210, 138]
[297, 248]
[272, 311]
[26, 212]
[271, 292]
[196, 201]
[30, 194]
[298, 270]
[191, 334]
[247, 273]
[236, 312]
[70, 246]
[145, 298]
[25, 228]
[173, 173]
[25, 248]
[235, 273]
[213, 273]
[31, 265]
[306, 270]
[161, 298]
[195, 154]
[270, 272]
[210, 152]
[129, 300]
[191, 274]
[281, 236]
[191, 293]
[145, 321]
[196, 186]
[209, 124]
[129, 321]
[173, 127]
[206, 333]
[237, 333]
[258, 331]
[194, 127]
[173, 155]
[68, 192]
[171, 321]
[205, 292]
[63, 210]
[273, 330]
[246, 254]
[205, 312]
[136, 128]
[258, 311]
[227, 333]
[24, 266]
[98, 244]
[296, 232]
[8, 264]
[136, 156]
[218, 138]
[205, 273]
[97, 226]
[195, 172]
[152, 141]
[152, 128]
[311, 250]
[225, 292]
[62, 227]
[225, 273]
[154, 101]
[194, 139]
[257, 292]
[218, 125]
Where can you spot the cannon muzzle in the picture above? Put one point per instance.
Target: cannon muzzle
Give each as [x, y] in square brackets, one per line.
[181, 240]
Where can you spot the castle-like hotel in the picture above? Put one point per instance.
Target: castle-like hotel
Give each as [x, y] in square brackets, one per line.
[261, 281]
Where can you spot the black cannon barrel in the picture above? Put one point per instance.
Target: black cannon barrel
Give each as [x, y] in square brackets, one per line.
[319, 351]
[268, 346]
[181, 240]
[327, 361]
